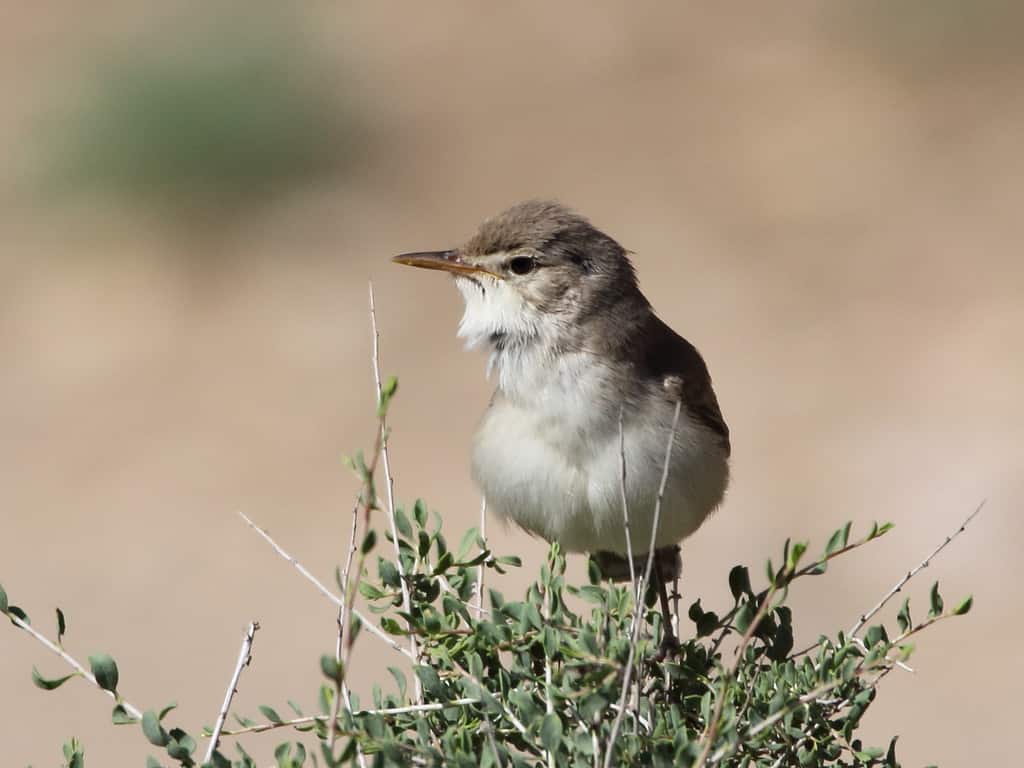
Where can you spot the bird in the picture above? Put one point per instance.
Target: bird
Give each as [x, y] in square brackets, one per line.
[588, 381]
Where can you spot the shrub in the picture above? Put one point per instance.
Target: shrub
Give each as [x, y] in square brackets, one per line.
[570, 675]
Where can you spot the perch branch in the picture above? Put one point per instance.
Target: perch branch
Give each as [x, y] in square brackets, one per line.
[371, 627]
[244, 657]
[627, 678]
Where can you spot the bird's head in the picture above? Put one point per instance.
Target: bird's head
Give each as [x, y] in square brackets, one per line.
[536, 272]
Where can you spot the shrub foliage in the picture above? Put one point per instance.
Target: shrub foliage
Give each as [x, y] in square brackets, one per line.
[569, 675]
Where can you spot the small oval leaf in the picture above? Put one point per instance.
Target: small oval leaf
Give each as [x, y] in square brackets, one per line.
[551, 732]
[104, 669]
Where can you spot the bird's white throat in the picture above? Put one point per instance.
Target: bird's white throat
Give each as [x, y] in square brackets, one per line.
[498, 319]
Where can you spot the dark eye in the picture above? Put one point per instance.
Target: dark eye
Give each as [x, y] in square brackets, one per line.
[522, 265]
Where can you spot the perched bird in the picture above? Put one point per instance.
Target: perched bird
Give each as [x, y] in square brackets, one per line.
[575, 346]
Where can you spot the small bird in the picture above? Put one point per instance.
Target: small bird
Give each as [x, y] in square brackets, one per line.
[577, 351]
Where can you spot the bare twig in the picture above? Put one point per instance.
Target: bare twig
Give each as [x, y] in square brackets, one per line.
[482, 569]
[74, 664]
[341, 692]
[627, 677]
[244, 657]
[386, 712]
[549, 702]
[865, 617]
[370, 626]
[489, 730]
[390, 483]
[343, 609]
[625, 506]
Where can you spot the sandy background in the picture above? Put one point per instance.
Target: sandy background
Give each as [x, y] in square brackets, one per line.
[825, 199]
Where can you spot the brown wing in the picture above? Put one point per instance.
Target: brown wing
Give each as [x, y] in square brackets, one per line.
[671, 356]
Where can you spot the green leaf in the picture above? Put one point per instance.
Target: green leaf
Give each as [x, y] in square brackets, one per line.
[431, 682]
[936, 601]
[466, 543]
[444, 562]
[152, 762]
[964, 606]
[884, 528]
[388, 573]
[707, 624]
[592, 707]
[120, 716]
[837, 540]
[369, 542]
[166, 710]
[513, 560]
[181, 746]
[61, 625]
[104, 669]
[402, 523]
[399, 680]
[387, 391]
[739, 582]
[270, 714]
[391, 626]
[551, 732]
[3, 599]
[332, 668]
[74, 757]
[903, 617]
[419, 513]
[744, 616]
[423, 543]
[876, 634]
[370, 592]
[795, 554]
[15, 612]
[153, 731]
[51, 684]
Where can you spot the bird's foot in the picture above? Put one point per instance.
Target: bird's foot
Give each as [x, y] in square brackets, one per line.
[669, 647]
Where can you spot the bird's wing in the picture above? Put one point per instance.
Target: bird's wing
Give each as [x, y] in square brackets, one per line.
[678, 365]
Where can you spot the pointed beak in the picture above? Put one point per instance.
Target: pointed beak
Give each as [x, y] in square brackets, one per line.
[447, 261]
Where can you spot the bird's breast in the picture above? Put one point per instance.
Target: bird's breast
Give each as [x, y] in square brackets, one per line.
[547, 456]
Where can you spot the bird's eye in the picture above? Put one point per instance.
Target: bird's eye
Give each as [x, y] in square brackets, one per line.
[522, 265]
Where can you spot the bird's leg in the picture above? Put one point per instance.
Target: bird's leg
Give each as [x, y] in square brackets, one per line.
[669, 642]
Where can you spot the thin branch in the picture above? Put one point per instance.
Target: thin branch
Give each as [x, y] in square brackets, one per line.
[390, 482]
[807, 698]
[625, 505]
[386, 712]
[74, 664]
[370, 626]
[913, 572]
[516, 722]
[549, 702]
[711, 727]
[342, 609]
[489, 731]
[244, 658]
[627, 681]
[482, 568]
[341, 692]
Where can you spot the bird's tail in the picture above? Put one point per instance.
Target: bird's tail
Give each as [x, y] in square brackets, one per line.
[615, 567]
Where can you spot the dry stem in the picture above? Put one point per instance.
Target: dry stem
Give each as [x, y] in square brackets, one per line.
[244, 657]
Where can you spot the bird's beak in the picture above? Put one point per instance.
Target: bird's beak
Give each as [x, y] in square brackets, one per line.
[447, 261]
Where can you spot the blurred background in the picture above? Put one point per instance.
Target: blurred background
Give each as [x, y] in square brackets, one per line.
[825, 198]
